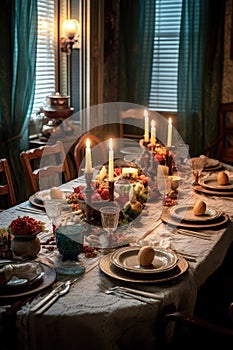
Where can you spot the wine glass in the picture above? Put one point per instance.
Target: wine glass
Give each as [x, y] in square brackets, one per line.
[53, 208]
[197, 165]
[109, 219]
[162, 183]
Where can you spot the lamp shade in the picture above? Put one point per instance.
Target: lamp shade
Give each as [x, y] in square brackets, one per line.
[70, 28]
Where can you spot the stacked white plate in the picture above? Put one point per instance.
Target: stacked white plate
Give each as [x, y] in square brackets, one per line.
[123, 264]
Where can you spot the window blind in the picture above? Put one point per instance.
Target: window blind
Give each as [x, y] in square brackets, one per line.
[163, 93]
[46, 56]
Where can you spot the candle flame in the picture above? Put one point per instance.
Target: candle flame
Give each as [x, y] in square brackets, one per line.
[170, 121]
[152, 123]
[88, 144]
[146, 113]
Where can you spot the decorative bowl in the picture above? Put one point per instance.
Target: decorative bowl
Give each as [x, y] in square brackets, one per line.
[69, 241]
[95, 205]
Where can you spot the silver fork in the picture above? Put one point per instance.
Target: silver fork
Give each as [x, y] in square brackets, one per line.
[120, 292]
[132, 292]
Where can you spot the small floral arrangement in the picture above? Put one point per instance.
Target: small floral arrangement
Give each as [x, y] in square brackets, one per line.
[26, 226]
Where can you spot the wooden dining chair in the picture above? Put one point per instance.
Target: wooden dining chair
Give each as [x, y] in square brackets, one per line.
[222, 147]
[132, 125]
[45, 167]
[7, 192]
[191, 331]
[98, 151]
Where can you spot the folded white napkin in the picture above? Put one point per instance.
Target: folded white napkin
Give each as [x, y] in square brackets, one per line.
[24, 270]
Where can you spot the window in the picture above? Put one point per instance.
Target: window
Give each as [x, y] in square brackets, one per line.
[163, 94]
[46, 53]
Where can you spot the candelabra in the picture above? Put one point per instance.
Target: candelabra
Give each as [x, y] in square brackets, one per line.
[147, 160]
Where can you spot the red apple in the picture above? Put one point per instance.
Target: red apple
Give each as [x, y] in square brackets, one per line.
[105, 193]
[96, 197]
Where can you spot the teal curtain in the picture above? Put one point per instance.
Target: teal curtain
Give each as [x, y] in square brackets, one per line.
[200, 71]
[136, 35]
[18, 21]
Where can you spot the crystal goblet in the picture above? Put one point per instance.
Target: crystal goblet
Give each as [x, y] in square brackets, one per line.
[197, 166]
[53, 208]
[109, 219]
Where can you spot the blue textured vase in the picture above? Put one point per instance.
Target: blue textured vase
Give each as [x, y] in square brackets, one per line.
[69, 241]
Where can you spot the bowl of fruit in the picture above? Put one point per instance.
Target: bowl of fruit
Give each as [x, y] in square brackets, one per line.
[99, 198]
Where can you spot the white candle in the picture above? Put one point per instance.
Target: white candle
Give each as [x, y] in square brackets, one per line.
[110, 162]
[146, 131]
[88, 168]
[153, 133]
[169, 133]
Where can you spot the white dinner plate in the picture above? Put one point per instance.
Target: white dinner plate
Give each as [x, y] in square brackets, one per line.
[210, 162]
[25, 274]
[111, 270]
[45, 194]
[127, 259]
[212, 184]
[36, 286]
[185, 212]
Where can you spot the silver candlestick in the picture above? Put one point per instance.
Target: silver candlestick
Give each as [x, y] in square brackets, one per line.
[88, 192]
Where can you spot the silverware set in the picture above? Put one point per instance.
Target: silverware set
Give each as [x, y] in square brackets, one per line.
[50, 299]
[62, 289]
[196, 234]
[130, 293]
[31, 210]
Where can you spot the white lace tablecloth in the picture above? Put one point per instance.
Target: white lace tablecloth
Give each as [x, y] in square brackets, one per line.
[89, 319]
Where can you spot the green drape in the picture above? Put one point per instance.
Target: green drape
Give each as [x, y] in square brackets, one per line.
[136, 35]
[18, 21]
[200, 71]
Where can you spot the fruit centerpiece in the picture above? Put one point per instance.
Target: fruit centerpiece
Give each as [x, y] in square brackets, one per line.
[132, 190]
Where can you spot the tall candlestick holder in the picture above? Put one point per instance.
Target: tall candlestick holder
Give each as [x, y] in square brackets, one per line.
[169, 159]
[152, 170]
[111, 190]
[144, 160]
[88, 193]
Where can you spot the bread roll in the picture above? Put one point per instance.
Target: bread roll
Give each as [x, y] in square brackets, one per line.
[146, 255]
[199, 208]
[222, 178]
[55, 193]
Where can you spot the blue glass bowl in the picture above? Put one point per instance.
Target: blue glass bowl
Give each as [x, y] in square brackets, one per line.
[69, 241]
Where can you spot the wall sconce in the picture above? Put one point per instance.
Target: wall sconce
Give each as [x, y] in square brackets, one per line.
[71, 35]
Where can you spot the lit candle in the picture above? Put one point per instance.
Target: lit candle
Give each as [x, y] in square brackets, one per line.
[146, 134]
[169, 133]
[88, 168]
[110, 162]
[153, 133]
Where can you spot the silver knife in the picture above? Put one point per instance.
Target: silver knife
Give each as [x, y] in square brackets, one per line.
[48, 297]
[29, 210]
[61, 292]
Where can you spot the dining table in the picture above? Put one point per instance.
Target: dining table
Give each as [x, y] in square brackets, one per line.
[88, 316]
